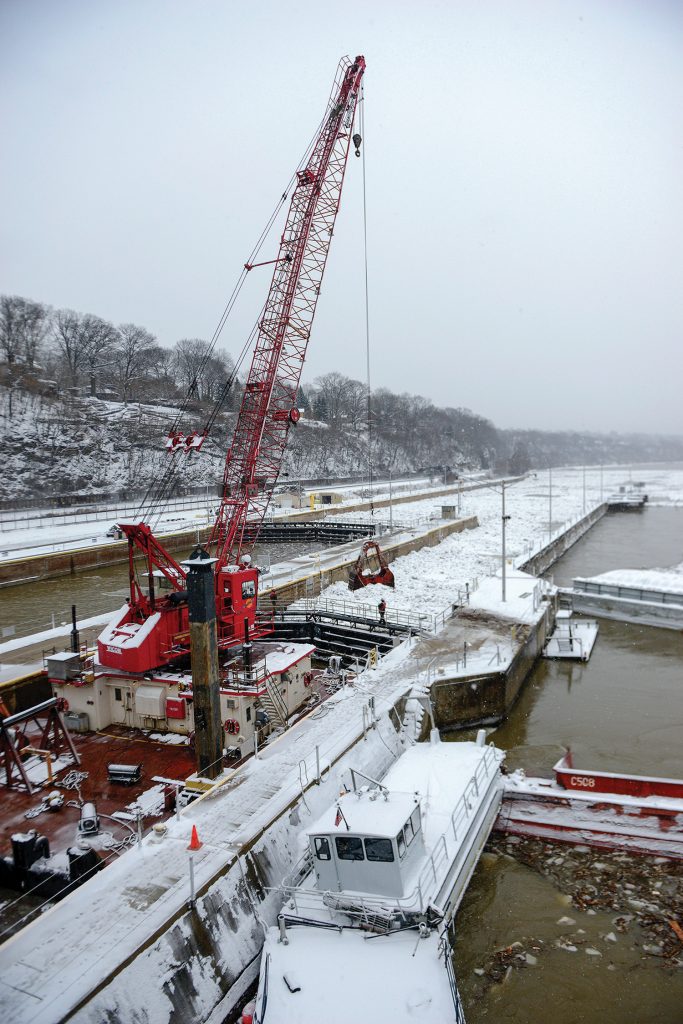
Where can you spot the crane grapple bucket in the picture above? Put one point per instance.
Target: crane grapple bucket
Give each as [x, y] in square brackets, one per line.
[371, 567]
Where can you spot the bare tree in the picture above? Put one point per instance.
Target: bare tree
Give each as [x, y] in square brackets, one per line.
[201, 376]
[189, 355]
[133, 351]
[98, 338]
[339, 398]
[67, 336]
[23, 327]
[10, 336]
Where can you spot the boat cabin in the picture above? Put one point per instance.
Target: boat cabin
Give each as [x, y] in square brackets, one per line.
[370, 841]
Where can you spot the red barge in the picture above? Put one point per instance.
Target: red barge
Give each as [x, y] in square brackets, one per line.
[639, 814]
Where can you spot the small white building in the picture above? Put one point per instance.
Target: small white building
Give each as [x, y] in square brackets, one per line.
[289, 499]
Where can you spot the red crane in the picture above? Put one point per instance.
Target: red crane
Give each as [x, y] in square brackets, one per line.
[153, 629]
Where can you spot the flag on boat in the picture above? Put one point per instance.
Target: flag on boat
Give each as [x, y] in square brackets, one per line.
[339, 818]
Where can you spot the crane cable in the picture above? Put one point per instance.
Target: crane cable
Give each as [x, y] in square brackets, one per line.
[152, 502]
[367, 303]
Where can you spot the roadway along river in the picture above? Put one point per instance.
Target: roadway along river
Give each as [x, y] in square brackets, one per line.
[623, 711]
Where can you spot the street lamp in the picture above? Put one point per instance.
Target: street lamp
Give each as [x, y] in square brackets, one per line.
[584, 490]
[504, 518]
[391, 505]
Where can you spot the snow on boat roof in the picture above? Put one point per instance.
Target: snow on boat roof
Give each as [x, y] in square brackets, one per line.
[339, 977]
[367, 813]
[433, 774]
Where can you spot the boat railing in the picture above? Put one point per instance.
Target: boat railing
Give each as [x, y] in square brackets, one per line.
[430, 875]
[368, 908]
[447, 953]
[260, 1011]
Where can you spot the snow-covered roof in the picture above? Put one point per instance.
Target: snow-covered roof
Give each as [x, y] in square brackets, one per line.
[339, 977]
[367, 813]
[283, 656]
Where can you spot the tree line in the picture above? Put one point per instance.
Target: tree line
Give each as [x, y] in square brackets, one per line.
[68, 353]
[66, 350]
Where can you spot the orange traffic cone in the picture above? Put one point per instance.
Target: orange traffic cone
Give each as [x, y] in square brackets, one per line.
[194, 841]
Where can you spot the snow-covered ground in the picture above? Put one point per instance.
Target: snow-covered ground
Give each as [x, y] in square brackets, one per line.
[431, 579]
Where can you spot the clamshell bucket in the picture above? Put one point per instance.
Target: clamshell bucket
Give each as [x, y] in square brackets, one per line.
[371, 567]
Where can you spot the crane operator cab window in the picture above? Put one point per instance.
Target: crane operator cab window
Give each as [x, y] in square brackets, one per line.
[248, 589]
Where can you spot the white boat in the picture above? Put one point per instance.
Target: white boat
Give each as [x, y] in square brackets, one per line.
[572, 638]
[364, 935]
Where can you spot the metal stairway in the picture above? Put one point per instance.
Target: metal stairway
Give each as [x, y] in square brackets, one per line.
[272, 703]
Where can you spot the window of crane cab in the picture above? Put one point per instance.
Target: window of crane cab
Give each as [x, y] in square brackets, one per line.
[248, 589]
[162, 584]
[322, 848]
[349, 848]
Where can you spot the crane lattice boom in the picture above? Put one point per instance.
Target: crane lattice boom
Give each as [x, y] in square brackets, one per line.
[253, 462]
[153, 629]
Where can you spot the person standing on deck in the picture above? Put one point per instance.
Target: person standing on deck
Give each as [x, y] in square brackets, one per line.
[382, 609]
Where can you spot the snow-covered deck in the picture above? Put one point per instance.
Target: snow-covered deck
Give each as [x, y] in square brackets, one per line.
[572, 638]
[80, 944]
[339, 977]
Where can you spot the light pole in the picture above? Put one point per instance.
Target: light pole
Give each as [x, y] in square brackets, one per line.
[391, 506]
[503, 520]
[550, 502]
[584, 490]
[601, 483]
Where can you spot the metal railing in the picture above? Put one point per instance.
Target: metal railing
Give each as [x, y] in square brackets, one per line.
[49, 518]
[367, 908]
[275, 698]
[630, 592]
[447, 953]
[432, 622]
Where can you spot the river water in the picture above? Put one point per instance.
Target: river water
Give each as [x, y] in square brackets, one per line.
[29, 608]
[623, 711]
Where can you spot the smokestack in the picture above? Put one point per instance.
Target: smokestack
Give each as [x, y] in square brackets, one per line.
[75, 636]
[247, 649]
[208, 730]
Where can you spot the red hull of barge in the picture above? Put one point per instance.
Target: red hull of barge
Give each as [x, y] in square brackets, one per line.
[631, 813]
[610, 782]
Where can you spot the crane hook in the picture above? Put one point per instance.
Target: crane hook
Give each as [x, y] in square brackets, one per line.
[357, 141]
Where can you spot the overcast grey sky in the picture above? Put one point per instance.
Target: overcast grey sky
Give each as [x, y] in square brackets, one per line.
[524, 198]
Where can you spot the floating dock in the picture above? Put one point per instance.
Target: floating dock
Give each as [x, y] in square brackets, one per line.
[572, 639]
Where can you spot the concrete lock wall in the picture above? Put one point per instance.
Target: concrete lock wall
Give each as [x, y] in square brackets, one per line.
[648, 613]
[486, 698]
[65, 563]
[543, 559]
